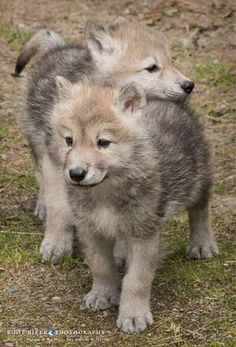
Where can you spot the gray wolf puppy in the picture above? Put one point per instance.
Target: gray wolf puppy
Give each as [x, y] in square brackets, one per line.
[112, 56]
[127, 166]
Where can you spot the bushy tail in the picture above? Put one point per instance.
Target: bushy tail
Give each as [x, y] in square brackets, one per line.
[39, 43]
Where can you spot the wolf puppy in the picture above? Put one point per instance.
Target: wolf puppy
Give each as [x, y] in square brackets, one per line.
[127, 167]
[112, 56]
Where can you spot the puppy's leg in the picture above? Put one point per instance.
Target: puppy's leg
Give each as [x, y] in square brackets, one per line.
[134, 312]
[105, 290]
[40, 209]
[202, 242]
[58, 239]
[120, 253]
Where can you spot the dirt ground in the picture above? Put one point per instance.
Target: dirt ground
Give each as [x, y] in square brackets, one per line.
[193, 302]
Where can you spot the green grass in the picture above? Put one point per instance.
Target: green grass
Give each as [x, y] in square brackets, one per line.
[19, 249]
[219, 188]
[3, 131]
[203, 290]
[27, 180]
[214, 73]
[13, 35]
[1, 97]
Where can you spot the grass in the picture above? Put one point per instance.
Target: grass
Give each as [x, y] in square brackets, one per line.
[3, 131]
[215, 73]
[1, 97]
[196, 294]
[13, 35]
[27, 180]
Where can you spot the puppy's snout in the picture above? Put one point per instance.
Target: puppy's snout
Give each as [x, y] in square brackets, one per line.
[187, 86]
[77, 174]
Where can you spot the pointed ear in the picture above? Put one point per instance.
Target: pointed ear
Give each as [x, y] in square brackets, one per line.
[116, 23]
[63, 86]
[131, 99]
[98, 40]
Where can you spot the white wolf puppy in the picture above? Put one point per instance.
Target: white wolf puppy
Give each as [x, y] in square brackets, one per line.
[115, 54]
[126, 165]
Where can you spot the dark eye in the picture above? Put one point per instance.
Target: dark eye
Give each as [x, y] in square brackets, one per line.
[152, 68]
[69, 141]
[103, 143]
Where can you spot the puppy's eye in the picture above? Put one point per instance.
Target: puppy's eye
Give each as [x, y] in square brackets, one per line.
[102, 143]
[69, 141]
[152, 68]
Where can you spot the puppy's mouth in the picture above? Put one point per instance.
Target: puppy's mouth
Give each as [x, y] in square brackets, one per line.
[170, 94]
[93, 177]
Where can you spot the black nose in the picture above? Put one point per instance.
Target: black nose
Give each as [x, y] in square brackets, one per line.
[77, 174]
[187, 86]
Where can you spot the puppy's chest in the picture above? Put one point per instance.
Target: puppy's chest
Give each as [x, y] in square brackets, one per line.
[106, 220]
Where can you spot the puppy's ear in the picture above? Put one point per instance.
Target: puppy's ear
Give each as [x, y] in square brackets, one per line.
[117, 23]
[98, 40]
[63, 86]
[131, 99]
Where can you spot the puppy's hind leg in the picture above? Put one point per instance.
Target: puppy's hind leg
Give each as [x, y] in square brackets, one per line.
[120, 253]
[202, 242]
[59, 235]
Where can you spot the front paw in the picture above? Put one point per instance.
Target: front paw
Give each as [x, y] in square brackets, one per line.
[54, 247]
[136, 323]
[102, 299]
[202, 250]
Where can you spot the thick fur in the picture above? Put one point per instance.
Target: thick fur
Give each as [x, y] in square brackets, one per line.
[40, 43]
[111, 56]
[156, 164]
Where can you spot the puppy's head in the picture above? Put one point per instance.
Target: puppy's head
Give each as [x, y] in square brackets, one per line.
[127, 51]
[96, 130]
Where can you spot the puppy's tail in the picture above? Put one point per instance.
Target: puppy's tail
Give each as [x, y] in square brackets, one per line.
[40, 43]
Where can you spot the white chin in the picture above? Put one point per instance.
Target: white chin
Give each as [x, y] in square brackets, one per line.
[94, 176]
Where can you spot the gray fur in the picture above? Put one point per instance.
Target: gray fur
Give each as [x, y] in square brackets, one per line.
[74, 62]
[168, 168]
[40, 43]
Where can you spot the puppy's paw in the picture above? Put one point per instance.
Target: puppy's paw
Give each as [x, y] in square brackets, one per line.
[53, 248]
[202, 250]
[134, 324]
[40, 210]
[102, 299]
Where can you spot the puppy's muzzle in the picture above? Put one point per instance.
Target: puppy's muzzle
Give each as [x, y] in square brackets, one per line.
[88, 177]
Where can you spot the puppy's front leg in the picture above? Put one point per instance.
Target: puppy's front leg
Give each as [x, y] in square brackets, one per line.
[105, 290]
[202, 242]
[58, 239]
[134, 311]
